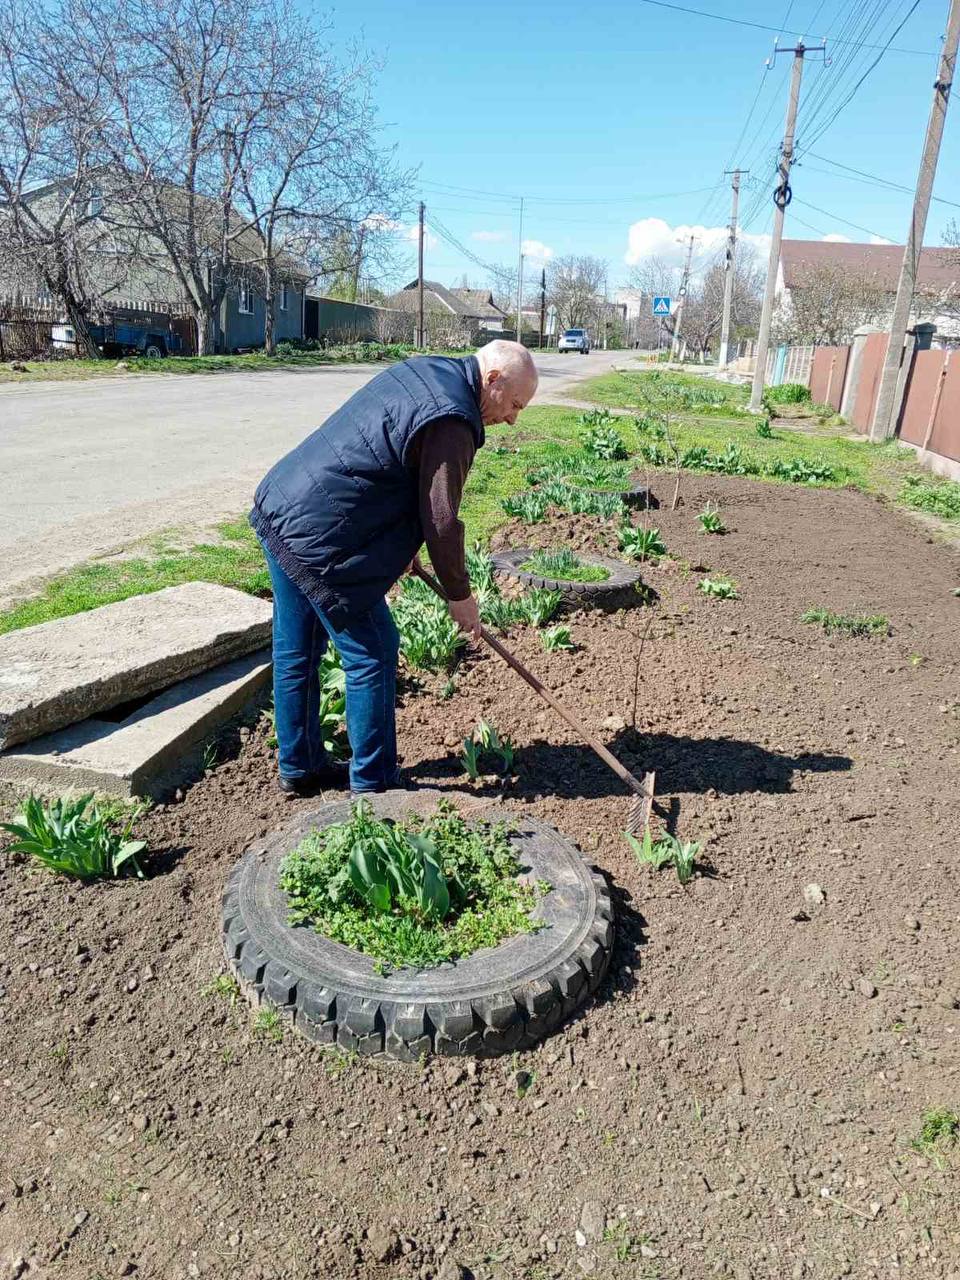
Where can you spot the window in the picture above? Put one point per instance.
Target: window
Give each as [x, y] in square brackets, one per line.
[284, 297]
[245, 300]
[95, 203]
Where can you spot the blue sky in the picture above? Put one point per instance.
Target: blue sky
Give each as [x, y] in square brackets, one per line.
[610, 115]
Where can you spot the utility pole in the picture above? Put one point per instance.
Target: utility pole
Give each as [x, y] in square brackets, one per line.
[675, 345]
[782, 196]
[421, 343]
[520, 279]
[543, 303]
[723, 358]
[887, 411]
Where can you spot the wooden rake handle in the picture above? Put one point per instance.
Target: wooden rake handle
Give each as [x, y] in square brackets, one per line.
[622, 772]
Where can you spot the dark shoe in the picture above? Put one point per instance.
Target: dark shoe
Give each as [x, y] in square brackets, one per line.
[403, 783]
[332, 776]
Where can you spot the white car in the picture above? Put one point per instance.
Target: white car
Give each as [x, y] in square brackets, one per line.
[574, 340]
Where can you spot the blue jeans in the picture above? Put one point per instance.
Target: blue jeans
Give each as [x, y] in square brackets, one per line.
[368, 649]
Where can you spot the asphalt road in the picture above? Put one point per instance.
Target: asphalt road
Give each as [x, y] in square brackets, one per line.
[89, 468]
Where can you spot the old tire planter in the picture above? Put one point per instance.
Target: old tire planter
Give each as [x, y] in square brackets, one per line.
[624, 578]
[495, 1001]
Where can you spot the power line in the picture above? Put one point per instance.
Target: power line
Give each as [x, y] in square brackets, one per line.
[836, 217]
[873, 177]
[459, 193]
[873, 65]
[760, 26]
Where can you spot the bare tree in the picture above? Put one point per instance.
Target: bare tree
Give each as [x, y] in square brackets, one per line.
[828, 305]
[703, 309]
[52, 235]
[179, 92]
[654, 278]
[310, 165]
[575, 287]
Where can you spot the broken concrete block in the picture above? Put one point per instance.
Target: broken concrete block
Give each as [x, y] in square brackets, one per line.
[67, 670]
[153, 749]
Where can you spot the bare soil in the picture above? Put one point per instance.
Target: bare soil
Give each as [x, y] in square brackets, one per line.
[740, 1098]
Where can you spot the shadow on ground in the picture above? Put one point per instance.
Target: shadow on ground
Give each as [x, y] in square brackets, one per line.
[730, 766]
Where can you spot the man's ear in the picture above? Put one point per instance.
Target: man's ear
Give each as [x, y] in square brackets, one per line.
[492, 376]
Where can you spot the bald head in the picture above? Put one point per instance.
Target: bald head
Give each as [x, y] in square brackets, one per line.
[508, 380]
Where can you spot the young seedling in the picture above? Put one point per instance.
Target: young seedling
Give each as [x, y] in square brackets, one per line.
[641, 544]
[764, 430]
[667, 851]
[224, 986]
[710, 521]
[539, 606]
[718, 588]
[847, 623]
[557, 638]
[470, 758]
[529, 507]
[268, 1023]
[939, 1128]
[483, 743]
[210, 753]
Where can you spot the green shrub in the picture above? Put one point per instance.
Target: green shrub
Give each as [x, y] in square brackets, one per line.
[936, 498]
[75, 838]
[641, 544]
[429, 638]
[787, 393]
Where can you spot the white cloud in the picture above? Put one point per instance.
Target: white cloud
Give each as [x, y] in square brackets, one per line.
[491, 237]
[835, 237]
[536, 249]
[880, 240]
[413, 234]
[654, 238]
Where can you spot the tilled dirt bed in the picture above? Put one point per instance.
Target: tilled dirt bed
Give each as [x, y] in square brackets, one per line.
[741, 1096]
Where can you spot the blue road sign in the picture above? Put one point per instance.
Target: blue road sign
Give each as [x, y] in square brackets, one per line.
[661, 306]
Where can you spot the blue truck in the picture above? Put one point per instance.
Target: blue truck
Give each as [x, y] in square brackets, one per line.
[124, 338]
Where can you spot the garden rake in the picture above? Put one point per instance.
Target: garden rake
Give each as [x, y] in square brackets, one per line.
[639, 815]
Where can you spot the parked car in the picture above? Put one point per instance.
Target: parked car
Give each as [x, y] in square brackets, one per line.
[123, 338]
[574, 340]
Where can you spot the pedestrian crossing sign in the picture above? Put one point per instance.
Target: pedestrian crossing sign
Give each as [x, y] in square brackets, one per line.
[661, 306]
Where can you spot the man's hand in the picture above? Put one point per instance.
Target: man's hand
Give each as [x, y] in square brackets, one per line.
[466, 615]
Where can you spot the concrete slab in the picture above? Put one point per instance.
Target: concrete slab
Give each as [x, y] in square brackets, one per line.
[65, 671]
[150, 752]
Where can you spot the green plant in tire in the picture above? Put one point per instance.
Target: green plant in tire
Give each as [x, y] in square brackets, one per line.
[564, 566]
[417, 891]
[75, 838]
[641, 544]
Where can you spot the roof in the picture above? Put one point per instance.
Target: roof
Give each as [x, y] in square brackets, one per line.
[481, 301]
[880, 263]
[468, 303]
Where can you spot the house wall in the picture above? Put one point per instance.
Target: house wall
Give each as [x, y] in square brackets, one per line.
[243, 330]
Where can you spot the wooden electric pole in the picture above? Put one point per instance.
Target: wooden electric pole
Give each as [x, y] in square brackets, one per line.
[781, 198]
[543, 303]
[684, 285]
[723, 358]
[886, 413]
[520, 279]
[421, 337]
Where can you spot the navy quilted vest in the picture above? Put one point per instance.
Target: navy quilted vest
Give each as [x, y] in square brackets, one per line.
[340, 512]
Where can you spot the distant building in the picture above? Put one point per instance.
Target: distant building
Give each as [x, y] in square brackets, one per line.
[470, 309]
[808, 263]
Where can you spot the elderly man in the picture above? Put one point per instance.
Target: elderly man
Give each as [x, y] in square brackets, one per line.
[342, 517]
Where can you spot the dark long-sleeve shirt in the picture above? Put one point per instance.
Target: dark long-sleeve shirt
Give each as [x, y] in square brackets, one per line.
[442, 454]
